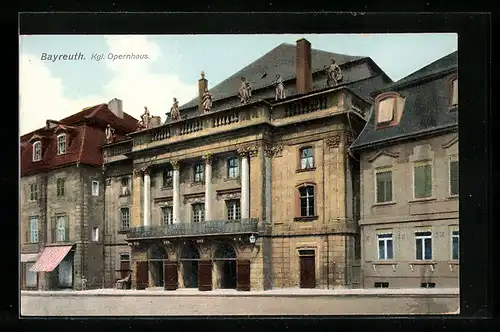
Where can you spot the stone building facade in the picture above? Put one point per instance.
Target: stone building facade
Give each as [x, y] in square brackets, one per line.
[62, 200]
[409, 181]
[257, 192]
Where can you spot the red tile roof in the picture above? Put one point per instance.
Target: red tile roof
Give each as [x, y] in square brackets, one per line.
[85, 136]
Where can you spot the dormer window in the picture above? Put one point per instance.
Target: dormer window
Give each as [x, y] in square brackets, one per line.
[454, 92]
[37, 151]
[61, 144]
[388, 109]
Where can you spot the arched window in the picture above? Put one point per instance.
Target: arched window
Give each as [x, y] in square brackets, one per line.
[61, 144]
[307, 201]
[37, 151]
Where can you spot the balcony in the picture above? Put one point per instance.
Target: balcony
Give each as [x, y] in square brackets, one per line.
[187, 229]
[116, 152]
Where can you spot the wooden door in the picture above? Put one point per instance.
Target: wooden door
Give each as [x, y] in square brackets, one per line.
[170, 275]
[142, 279]
[243, 275]
[124, 269]
[205, 275]
[307, 272]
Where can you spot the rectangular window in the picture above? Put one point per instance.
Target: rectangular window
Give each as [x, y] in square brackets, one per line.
[386, 110]
[61, 144]
[306, 158]
[95, 188]
[233, 169]
[95, 234]
[167, 215]
[61, 230]
[33, 191]
[198, 173]
[454, 177]
[306, 201]
[233, 209]
[60, 186]
[198, 212]
[125, 218]
[384, 186]
[422, 179]
[455, 245]
[33, 224]
[454, 96]
[168, 176]
[385, 246]
[31, 277]
[423, 245]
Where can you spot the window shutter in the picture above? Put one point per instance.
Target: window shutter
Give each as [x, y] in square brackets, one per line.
[66, 228]
[428, 180]
[454, 98]
[386, 110]
[53, 228]
[27, 233]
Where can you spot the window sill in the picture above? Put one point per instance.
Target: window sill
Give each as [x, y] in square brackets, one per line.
[454, 262]
[194, 184]
[423, 262]
[385, 262]
[424, 199]
[384, 203]
[311, 218]
[302, 170]
[453, 108]
[226, 179]
[123, 231]
[452, 197]
[124, 195]
[167, 188]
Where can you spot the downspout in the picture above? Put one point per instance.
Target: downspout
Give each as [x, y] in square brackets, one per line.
[82, 227]
[327, 237]
[104, 226]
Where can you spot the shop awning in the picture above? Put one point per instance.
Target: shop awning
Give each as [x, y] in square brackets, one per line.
[50, 258]
[28, 257]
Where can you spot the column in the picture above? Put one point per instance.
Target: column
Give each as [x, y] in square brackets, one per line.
[136, 198]
[245, 185]
[268, 183]
[147, 202]
[208, 186]
[176, 186]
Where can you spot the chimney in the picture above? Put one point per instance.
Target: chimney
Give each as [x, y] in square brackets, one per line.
[202, 84]
[115, 106]
[303, 67]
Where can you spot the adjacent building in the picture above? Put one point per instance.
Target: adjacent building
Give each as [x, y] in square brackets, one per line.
[408, 152]
[62, 198]
[248, 186]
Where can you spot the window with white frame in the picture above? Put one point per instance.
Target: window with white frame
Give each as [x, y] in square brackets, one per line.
[33, 230]
[454, 92]
[125, 218]
[61, 144]
[37, 151]
[198, 212]
[95, 234]
[423, 245]
[385, 246]
[233, 209]
[61, 230]
[167, 215]
[454, 175]
[95, 188]
[33, 191]
[31, 277]
[383, 178]
[233, 169]
[306, 196]
[455, 245]
[60, 184]
[198, 173]
[386, 109]
[422, 179]
[306, 158]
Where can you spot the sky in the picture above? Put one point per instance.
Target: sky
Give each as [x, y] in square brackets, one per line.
[56, 89]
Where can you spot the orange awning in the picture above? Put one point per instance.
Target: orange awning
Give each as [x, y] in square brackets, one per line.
[50, 258]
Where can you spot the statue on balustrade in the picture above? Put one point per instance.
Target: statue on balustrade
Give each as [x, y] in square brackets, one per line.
[333, 74]
[110, 134]
[174, 111]
[207, 101]
[245, 91]
[145, 117]
[280, 88]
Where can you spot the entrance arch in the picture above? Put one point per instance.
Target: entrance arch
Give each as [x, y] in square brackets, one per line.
[225, 266]
[189, 260]
[157, 257]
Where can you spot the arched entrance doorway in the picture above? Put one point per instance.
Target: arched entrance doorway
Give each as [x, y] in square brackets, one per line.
[157, 258]
[225, 266]
[189, 260]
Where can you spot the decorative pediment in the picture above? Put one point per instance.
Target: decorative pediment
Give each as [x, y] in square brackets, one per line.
[450, 142]
[164, 201]
[194, 198]
[35, 138]
[383, 153]
[227, 194]
[62, 128]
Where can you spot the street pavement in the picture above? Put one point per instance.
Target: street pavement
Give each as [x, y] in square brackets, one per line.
[109, 302]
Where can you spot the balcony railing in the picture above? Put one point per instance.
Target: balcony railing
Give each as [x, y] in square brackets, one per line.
[195, 228]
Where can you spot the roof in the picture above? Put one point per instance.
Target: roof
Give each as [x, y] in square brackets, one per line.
[262, 72]
[426, 107]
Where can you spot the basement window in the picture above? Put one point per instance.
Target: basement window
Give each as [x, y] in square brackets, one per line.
[427, 285]
[381, 285]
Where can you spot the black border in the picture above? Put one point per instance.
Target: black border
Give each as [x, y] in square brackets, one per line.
[474, 131]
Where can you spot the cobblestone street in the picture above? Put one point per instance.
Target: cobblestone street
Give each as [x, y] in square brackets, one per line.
[280, 302]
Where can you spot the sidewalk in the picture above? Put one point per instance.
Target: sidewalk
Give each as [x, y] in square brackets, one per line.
[282, 292]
